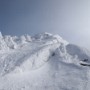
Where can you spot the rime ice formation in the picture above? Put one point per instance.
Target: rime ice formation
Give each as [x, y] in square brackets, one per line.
[42, 62]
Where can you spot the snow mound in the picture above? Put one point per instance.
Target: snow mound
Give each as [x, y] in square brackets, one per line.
[42, 62]
[81, 53]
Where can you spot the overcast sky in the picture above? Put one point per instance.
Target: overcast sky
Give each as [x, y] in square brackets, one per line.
[68, 18]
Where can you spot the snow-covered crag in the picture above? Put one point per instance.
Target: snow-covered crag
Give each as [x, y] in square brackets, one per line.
[43, 62]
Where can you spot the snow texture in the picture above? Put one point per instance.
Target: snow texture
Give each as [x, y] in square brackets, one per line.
[43, 62]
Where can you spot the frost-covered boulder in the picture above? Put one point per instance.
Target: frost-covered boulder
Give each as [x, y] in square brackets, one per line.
[10, 42]
[28, 38]
[43, 36]
[3, 45]
[1, 36]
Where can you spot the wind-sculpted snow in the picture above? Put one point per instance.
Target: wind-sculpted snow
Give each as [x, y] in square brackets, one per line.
[81, 53]
[42, 62]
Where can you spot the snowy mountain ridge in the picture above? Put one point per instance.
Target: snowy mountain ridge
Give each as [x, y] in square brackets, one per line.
[52, 61]
[12, 42]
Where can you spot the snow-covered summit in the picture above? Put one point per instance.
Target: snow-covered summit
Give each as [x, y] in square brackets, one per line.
[47, 36]
[42, 62]
[31, 52]
[13, 42]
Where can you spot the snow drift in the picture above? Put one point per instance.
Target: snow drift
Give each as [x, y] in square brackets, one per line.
[42, 62]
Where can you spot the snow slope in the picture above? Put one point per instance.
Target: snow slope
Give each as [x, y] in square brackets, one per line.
[42, 62]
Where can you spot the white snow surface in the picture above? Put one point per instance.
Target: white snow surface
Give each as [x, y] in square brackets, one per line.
[42, 62]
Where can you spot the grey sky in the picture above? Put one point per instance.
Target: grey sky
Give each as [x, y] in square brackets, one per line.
[69, 18]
